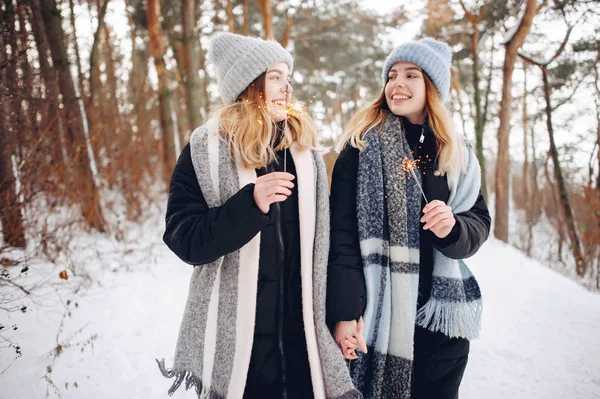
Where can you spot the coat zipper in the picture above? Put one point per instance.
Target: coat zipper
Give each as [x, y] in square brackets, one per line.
[281, 259]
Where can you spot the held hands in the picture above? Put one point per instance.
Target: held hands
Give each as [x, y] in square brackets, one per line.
[348, 335]
[438, 218]
[272, 187]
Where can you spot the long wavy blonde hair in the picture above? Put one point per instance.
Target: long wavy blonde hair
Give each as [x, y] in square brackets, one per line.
[251, 133]
[450, 148]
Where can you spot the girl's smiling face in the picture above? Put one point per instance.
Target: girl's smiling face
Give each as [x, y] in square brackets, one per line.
[276, 85]
[405, 91]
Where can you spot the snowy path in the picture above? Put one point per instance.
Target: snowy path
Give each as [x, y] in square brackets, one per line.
[540, 337]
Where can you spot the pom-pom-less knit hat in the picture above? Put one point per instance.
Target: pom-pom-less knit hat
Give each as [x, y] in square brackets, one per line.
[430, 55]
[239, 60]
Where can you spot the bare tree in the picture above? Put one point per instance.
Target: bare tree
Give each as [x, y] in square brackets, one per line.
[503, 162]
[11, 217]
[288, 27]
[267, 16]
[526, 182]
[474, 20]
[94, 51]
[230, 17]
[76, 49]
[29, 124]
[191, 61]
[164, 93]
[597, 100]
[77, 148]
[245, 17]
[558, 174]
[51, 90]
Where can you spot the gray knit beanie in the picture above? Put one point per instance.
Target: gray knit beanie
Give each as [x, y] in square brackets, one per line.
[239, 60]
[431, 55]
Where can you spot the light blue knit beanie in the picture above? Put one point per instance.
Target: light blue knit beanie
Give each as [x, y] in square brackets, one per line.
[239, 60]
[430, 55]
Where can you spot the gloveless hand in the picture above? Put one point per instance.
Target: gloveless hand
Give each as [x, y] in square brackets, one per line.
[272, 187]
[348, 335]
[438, 218]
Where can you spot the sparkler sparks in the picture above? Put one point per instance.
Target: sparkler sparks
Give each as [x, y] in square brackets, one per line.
[291, 109]
[410, 166]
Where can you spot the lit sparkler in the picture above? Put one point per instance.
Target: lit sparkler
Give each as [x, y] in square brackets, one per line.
[285, 126]
[410, 166]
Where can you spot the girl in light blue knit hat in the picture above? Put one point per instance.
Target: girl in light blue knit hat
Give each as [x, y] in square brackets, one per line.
[249, 208]
[406, 208]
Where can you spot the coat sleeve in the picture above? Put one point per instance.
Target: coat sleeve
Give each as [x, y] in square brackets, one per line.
[471, 230]
[198, 234]
[346, 292]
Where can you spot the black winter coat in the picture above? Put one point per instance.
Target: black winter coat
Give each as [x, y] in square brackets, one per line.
[346, 292]
[199, 235]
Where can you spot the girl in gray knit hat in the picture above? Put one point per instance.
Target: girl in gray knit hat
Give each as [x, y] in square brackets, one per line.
[248, 207]
[406, 208]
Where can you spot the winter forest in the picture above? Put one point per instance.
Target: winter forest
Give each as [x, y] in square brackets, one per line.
[98, 97]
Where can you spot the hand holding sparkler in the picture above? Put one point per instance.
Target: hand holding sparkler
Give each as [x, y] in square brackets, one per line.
[272, 187]
[439, 218]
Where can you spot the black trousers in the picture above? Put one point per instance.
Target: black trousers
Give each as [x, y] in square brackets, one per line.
[439, 365]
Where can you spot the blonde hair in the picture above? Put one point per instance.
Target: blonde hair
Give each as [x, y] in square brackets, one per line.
[250, 132]
[450, 149]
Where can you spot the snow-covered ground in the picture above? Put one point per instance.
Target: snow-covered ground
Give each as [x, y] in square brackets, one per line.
[539, 339]
[540, 331]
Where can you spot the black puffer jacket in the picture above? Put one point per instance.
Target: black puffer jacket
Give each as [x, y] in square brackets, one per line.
[199, 235]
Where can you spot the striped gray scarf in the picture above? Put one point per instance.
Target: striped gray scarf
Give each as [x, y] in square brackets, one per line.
[216, 334]
[389, 209]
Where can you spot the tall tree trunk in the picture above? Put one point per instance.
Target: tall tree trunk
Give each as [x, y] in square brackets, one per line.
[488, 89]
[560, 182]
[77, 146]
[111, 79]
[11, 217]
[76, 48]
[30, 128]
[555, 206]
[265, 8]
[597, 99]
[191, 61]
[115, 124]
[502, 175]
[474, 21]
[478, 115]
[230, 16]
[164, 94]
[138, 74]
[526, 178]
[94, 51]
[288, 29]
[12, 74]
[205, 81]
[50, 82]
[455, 75]
[534, 206]
[245, 17]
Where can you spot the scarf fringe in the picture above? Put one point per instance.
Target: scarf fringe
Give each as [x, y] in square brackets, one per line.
[454, 319]
[190, 379]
